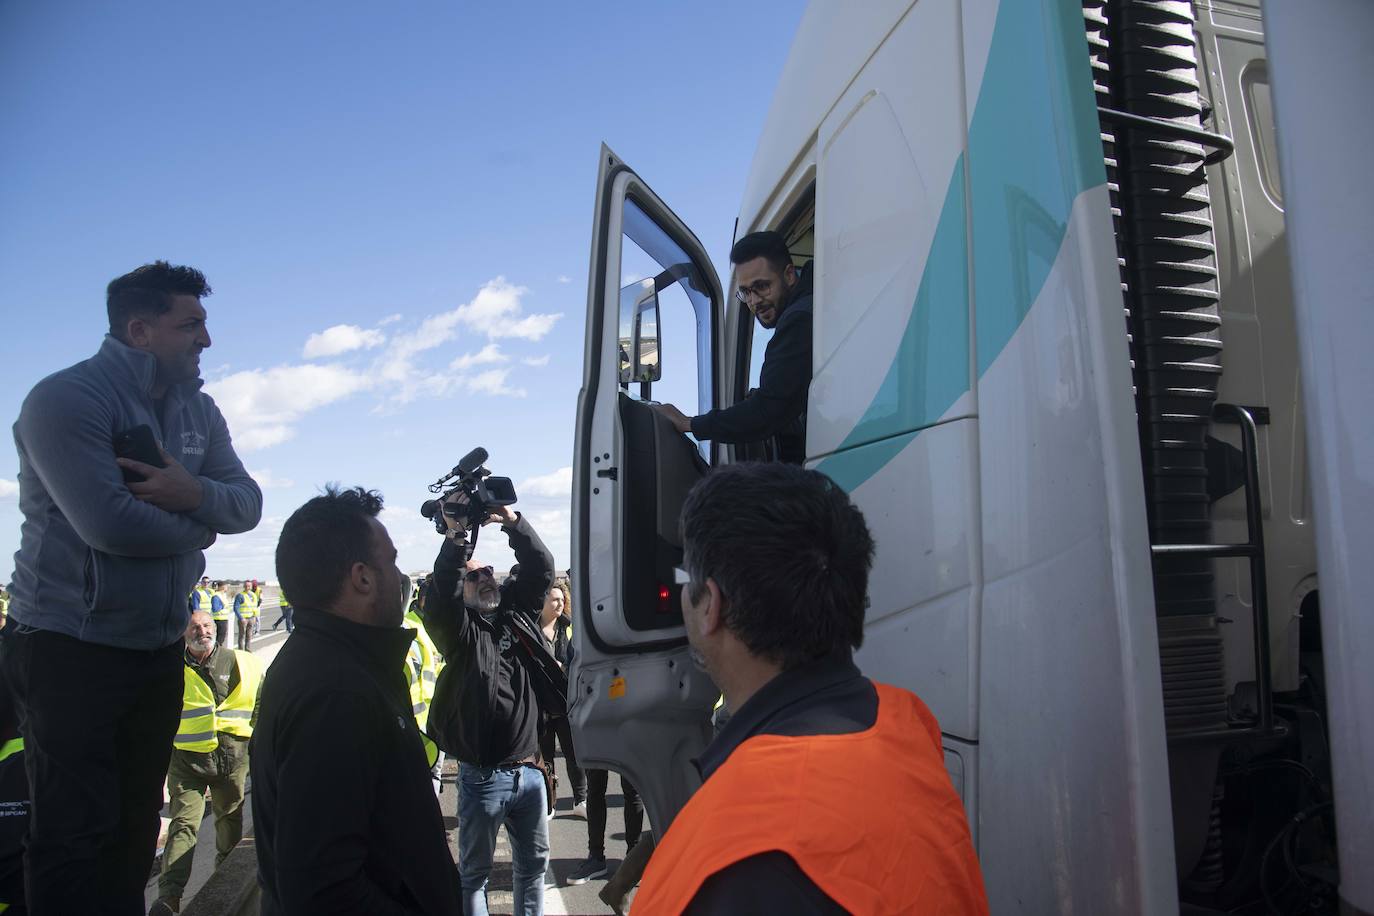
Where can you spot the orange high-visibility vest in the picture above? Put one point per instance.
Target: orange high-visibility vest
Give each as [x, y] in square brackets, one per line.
[871, 817]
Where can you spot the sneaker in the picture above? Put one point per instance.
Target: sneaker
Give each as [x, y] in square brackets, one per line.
[589, 869]
[579, 809]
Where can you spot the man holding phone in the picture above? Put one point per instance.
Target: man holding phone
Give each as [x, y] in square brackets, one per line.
[126, 475]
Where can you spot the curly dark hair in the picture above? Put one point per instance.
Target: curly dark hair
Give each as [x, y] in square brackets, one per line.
[322, 540]
[147, 292]
[790, 553]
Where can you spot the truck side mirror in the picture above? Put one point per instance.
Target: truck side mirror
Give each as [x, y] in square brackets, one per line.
[639, 351]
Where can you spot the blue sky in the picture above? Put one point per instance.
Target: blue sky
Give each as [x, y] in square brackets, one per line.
[391, 201]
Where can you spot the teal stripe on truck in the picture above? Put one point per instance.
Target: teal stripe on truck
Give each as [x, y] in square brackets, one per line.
[1034, 146]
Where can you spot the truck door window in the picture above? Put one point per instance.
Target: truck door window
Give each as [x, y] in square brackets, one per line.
[648, 254]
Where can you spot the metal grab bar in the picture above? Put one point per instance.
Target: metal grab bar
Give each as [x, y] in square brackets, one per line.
[1252, 550]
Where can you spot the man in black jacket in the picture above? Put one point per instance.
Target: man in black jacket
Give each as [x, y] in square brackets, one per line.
[343, 806]
[779, 295]
[485, 710]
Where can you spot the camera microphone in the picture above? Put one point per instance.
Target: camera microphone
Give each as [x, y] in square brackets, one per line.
[472, 460]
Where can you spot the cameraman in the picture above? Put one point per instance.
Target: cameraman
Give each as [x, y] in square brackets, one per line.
[485, 711]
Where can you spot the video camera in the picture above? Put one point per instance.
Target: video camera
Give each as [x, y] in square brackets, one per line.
[484, 493]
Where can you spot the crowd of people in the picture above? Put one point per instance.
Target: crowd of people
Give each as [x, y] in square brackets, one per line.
[343, 739]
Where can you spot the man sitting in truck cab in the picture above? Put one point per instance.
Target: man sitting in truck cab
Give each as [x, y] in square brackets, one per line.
[779, 295]
[825, 792]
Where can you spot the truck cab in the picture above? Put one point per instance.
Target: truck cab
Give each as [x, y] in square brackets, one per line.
[1054, 365]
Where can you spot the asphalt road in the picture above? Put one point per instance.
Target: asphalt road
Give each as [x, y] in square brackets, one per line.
[567, 834]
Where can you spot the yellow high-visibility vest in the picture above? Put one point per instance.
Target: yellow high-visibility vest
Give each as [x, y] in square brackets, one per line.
[225, 611]
[422, 672]
[201, 719]
[11, 747]
[203, 594]
[249, 608]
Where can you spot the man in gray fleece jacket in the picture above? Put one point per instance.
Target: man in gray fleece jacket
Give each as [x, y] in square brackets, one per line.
[93, 651]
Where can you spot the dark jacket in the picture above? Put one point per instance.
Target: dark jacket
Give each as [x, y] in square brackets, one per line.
[343, 806]
[777, 408]
[484, 710]
[94, 563]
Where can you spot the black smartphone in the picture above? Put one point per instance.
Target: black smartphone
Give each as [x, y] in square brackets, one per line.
[139, 444]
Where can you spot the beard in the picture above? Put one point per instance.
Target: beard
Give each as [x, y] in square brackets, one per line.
[485, 604]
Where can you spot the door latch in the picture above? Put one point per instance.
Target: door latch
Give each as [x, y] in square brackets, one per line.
[609, 473]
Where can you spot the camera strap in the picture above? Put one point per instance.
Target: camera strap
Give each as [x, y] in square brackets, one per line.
[547, 678]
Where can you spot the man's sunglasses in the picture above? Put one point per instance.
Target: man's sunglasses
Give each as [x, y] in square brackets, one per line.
[472, 575]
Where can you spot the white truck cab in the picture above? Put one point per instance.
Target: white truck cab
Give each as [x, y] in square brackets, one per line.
[1054, 364]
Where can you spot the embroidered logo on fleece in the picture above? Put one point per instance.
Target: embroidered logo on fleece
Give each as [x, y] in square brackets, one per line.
[192, 443]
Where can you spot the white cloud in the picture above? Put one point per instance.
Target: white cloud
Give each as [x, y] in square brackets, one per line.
[493, 381]
[536, 360]
[488, 355]
[497, 312]
[556, 484]
[564, 278]
[262, 406]
[8, 488]
[269, 481]
[341, 338]
[251, 555]
[389, 319]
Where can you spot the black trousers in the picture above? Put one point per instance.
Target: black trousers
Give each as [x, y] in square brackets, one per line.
[596, 813]
[558, 727]
[98, 724]
[222, 634]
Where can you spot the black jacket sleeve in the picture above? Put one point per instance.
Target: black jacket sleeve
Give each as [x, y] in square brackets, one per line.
[783, 384]
[446, 619]
[536, 568]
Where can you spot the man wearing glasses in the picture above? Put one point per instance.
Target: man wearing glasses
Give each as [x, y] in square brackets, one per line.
[779, 295]
[486, 708]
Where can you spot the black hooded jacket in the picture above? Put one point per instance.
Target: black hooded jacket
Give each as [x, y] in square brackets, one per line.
[485, 711]
[777, 408]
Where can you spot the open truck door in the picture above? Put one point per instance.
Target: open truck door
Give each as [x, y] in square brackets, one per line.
[638, 704]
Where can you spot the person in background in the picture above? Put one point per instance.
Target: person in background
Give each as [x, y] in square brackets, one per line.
[200, 596]
[287, 614]
[246, 610]
[825, 792]
[4, 605]
[557, 629]
[220, 612]
[346, 820]
[423, 664]
[210, 755]
[594, 866]
[257, 593]
[126, 474]
[14, 806]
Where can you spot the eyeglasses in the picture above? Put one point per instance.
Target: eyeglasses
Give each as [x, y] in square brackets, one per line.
[472, 575]
[756, 290]
[681, 576]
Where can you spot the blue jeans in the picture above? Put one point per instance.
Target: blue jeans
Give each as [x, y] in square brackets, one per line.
[488, 798]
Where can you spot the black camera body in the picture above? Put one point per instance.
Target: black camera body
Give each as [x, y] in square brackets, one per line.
[485, 493]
